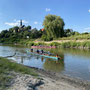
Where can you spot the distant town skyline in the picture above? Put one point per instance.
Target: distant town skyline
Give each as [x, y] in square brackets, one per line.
[75, 13]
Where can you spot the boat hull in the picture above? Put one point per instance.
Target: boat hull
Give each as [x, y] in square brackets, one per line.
[46, 56]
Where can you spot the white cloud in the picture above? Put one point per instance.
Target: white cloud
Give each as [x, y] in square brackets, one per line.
[87, 28]
[35, 22]
[15, 22]
[24, 21]
[12, 24]
[48, 9]
[89, 10]
[85, 31]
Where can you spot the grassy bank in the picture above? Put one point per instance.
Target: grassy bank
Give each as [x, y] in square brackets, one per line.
[62, 44]
[6, 67]
[72, 44]
[82, 45]
[75, 41]
[77, 37]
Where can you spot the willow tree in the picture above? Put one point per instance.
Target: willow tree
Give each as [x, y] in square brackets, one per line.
[54, 26]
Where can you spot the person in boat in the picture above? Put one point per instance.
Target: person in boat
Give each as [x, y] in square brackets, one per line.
[42, 51]
[58, 56]
[31, 50]
[37, 51]
[49, 53]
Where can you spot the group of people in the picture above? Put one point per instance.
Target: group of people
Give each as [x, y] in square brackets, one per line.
[38, 51]
[42, 52]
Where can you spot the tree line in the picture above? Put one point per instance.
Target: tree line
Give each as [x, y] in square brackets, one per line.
[53, 29]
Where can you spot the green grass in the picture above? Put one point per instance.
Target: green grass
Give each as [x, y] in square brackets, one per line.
[69, 44]
[75, 45]
[72, 44]
[76, 37]
[6, 66]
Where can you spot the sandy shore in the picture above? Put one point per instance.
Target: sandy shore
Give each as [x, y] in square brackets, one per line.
[47, 81]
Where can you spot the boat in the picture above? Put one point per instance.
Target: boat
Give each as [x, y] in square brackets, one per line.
[42, 55]
[43, 46]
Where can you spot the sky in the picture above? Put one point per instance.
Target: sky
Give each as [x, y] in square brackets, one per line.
[75, 13]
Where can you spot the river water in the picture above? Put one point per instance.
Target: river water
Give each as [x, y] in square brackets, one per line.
[74, 62]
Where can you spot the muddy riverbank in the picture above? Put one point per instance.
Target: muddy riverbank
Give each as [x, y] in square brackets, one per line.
[48, 81]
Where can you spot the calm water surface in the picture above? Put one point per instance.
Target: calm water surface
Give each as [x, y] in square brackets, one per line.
[74, 63]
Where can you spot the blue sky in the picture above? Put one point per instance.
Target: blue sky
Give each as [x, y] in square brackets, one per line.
[75, 13]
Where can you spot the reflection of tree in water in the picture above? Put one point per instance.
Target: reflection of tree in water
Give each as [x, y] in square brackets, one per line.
[42, 59]
[52, 65]
[22, 59]
[80, 52]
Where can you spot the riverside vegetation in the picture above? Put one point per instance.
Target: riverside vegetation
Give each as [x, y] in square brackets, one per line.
[6, 69]
[68, 44]
[53, 32]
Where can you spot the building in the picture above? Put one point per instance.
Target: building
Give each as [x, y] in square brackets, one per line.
[21, 26]
[20, 23]
[42, 29]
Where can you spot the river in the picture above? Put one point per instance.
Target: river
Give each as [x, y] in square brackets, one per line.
[74, 62]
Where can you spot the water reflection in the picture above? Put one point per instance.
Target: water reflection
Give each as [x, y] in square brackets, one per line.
[57, 51]
[75, 62]
[52, 65]
[42, 62]
[78, 52]
[42, 59]
[47, 64]
[22, 58]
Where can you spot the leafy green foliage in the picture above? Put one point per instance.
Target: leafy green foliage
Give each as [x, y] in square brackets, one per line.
[53, 29]
[53, 26]
[16, 34]
[70, 32]
[54, 44]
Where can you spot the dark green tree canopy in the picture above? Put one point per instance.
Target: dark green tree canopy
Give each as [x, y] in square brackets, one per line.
[28, 27]
[54, 26]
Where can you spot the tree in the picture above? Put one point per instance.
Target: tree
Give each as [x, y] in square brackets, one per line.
[16, 28]
[54, 26]
[68, 32]
[28, 27]
[34, 33]
[3, 33]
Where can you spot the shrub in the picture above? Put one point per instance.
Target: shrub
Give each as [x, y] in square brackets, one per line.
[66, 45]
[54, 44]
